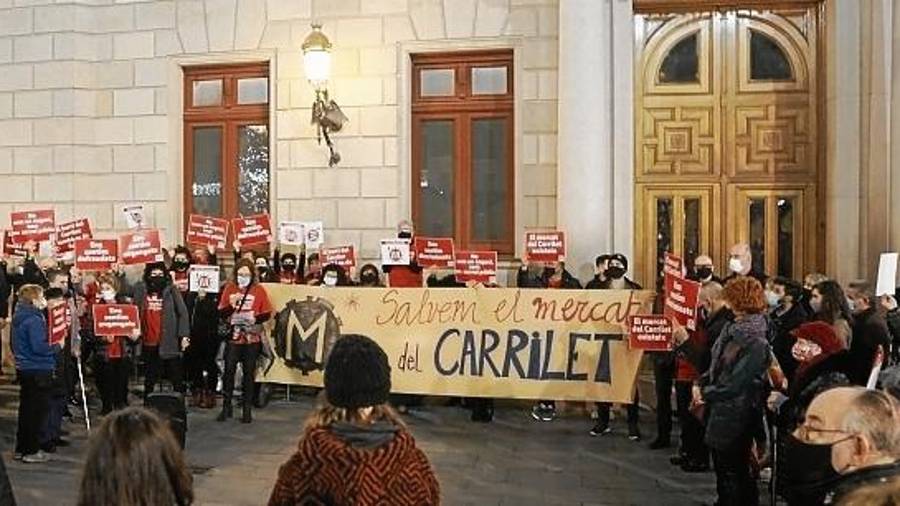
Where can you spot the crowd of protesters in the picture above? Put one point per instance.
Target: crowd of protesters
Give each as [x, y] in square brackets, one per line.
[774, 383]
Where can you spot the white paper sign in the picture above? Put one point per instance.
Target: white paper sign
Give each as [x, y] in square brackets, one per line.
[887, 274]
[134, 216]
[395, 252]
[313, 234]
[290, 233]
[204, 278]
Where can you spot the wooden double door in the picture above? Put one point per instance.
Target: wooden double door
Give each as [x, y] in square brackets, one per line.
[727, 139]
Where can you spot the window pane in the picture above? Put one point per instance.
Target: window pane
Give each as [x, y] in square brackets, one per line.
[436, 179]
[767, 60]
[207, 186]
[254, 90]
[691, 246]
[663, 234]
[207, 93]
[253, 167]
[490, 194]
[758, 234]
[786, 237]
[436, 82]
[489, 80]
[682, 64]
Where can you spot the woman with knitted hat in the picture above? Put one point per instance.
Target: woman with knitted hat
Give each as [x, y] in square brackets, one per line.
[355, 433]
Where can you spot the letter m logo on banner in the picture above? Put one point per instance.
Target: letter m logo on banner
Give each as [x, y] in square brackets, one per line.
[304, 333]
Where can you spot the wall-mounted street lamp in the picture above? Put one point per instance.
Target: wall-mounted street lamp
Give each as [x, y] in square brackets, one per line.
[326, 114]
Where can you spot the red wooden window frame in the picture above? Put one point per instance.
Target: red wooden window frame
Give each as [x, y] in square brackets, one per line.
[230, 116]
[463, 107]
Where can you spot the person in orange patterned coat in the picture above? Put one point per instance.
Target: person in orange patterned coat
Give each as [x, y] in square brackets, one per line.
[356, 450]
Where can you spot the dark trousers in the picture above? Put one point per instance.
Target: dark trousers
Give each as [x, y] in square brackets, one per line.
[246, 355]
[157, 369]
[633, 411]
[734, 483]
[200, 364]
[664, 376]
[34, 394]
[112, 382]
[52, 428]
[692, 431]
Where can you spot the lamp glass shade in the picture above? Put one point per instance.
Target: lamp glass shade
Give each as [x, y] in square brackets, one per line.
[317, 65]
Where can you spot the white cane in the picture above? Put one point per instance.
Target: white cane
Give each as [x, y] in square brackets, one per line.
[87, 415]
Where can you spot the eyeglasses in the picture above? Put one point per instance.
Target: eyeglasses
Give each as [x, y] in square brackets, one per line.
[806, 433]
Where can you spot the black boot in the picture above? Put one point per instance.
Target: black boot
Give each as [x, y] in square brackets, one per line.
[246, 417]
[226, 412]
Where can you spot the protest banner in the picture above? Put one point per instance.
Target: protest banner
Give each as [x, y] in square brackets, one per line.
[290, 233]
[96, 254]
[343, 256]
[12, 249]
[207, 231]
[395, 252]
[115, 319]
[252, 230]
[435, 252]
[203, 278]
[477, 266]
[68, 233]
[313, 235]
[34, 226]
[466, 342]
[681, 299]
[673, 264]
[651, 332]
[134, 216]
[887, 274]
[140, 247]
[58, 321]
[545, 246]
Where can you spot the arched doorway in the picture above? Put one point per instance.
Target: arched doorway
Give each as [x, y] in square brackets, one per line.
[727, 132]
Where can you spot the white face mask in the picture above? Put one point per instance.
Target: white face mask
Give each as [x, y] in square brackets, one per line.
[736, 265]
[330, 280]
[108, 295]
[772, 298]
[243, 281]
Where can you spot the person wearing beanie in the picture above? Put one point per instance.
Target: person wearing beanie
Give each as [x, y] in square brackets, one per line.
[356, 433]
[165, 324]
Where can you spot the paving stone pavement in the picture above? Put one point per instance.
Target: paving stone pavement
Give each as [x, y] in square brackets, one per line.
[513, 461]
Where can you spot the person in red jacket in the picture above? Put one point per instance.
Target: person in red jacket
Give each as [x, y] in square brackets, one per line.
[356, 449]
[245, 305]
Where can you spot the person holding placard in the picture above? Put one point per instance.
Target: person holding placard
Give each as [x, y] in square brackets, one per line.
[111, 365]
[289, 266]
[870, 331]
[404, 276]
[313, 270]
[201, 369]
[892, 315]
[51, 430]
[369, 276]
[245, 305]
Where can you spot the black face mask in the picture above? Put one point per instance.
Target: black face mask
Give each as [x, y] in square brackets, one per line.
[703, 272]
[549, 272]
[181, 265]
[368, 278]
[405, 235]
[807, 467]
[288, 267]
[807, 294]
[615, 272]
[156, 283]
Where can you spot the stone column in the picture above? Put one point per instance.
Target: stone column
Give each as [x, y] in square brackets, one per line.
[894, 140]
[585, 138]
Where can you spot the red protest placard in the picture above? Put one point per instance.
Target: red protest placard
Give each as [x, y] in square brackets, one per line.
[252, 230]
[673, 264]
[140, 247]
[58, 322]
[68, 233]
[207, 231]
[115, 319]
[434, 252]
[545, 246]
[650, 332]
[34, 226]
[96, 254]
[343, 256]
[12, 249]
[478, 266]
[681, 300]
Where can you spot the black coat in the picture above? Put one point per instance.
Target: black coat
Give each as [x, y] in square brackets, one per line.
[783, 342]
[862, 478]
[5, 291]
[893, 323]
[832, 372]
[869, 332]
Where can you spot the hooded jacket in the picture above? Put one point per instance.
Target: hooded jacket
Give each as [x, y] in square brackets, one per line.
[175, 317]
[346, 465]
[31, 344]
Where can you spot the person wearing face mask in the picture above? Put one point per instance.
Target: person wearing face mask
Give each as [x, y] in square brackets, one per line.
[288, 266]
[313, 270]
[830, 305]
[849, 439]
[405, 276]
[245, 305]
[369, 276]
[870, 331]
[111, 363]
[809, 282]
[334, 275]
[601, 263]
[704, 271]
[165, 323]
[51, 430]
[200, 367]
[786, 315]
[740, 263]
[35, 363]
[181, 264]
[892, 316]
[615, 279]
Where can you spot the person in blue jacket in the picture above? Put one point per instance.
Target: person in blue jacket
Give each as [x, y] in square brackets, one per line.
[35, 363]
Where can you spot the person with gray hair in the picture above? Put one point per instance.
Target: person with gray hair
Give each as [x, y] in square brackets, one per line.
[850, 438]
